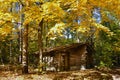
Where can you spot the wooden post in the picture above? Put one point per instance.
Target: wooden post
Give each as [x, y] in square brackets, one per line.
[68, 61]
[59, 62]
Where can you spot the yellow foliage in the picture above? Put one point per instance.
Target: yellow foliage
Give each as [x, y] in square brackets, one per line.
[57, 10]
[5, 16]
[100, 27]
[6, 30]
[56, 30]
[83, 29]
[52, 11]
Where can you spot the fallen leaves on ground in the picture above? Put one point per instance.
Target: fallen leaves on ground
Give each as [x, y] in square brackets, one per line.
[66, 75]
[88, 74]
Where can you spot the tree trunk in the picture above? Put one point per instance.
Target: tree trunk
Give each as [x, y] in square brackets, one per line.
[25, 51]
[40, 43]
[20, 40]
[20, 33]
[10, 51]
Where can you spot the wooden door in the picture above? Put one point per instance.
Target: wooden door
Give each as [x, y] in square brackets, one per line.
[65, 62]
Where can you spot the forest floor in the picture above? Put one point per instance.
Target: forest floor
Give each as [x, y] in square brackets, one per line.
[88, 74]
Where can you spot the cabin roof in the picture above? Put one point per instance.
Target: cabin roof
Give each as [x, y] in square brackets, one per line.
[65, 48]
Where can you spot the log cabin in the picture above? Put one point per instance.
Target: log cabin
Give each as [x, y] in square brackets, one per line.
[74, 56]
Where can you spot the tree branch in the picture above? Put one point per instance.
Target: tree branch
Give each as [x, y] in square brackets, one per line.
[21, 2]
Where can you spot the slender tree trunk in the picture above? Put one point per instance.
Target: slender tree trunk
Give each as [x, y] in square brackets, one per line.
[10, 51]
[20, 45]
[40, 43]
[25, 51]
[20, 34]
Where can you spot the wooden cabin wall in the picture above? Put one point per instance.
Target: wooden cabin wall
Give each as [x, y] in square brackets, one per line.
[49, 63]
[62, 61]
[71, 59]
[77, 58]
[57, 61]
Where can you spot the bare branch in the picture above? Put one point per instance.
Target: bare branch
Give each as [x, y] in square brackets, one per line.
[21, 2]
